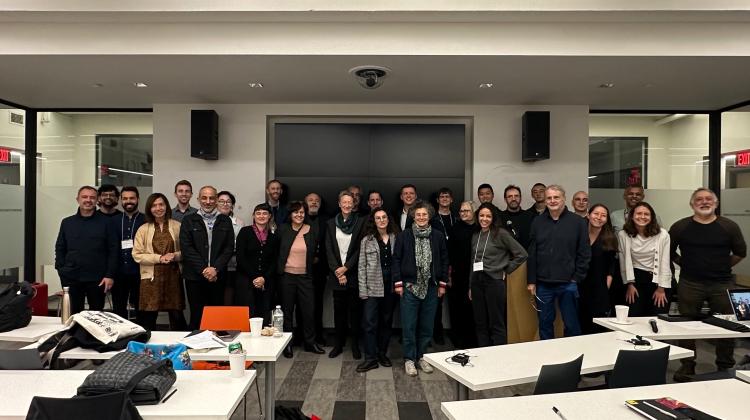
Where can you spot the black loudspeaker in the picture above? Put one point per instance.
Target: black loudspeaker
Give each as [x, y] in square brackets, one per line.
[535, 136]
[204, 134]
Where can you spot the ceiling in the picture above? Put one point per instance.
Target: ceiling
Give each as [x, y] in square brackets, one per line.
[647, 83]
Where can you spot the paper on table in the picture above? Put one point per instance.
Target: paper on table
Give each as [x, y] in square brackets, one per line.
[694, 325]
[204, 340]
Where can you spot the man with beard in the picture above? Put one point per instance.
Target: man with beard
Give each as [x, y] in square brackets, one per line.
[183, 191]
[107, 198]
[320, 268]
[537, 193]
[359, 206]
[128, 279]
[580, 203]
[517, 220]
[273, 198]
[706, 247]
[86, 253]
[207, 245]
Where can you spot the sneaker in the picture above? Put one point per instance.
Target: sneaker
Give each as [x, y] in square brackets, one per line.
[410, 369]
[426, 368]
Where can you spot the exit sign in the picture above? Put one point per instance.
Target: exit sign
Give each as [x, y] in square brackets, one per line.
[742, 159]
[4, 155]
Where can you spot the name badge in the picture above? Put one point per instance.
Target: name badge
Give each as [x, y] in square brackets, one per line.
[126, 244]
[479, 266]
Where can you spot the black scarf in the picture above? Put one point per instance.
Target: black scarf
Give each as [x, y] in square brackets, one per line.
[346, 226]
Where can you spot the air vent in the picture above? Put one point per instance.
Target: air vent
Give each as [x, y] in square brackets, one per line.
[16, 118]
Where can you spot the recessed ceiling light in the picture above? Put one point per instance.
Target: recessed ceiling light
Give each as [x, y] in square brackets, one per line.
[97, 85]
[607, 85]
[486, 85]
[255, 85]
[140, 85]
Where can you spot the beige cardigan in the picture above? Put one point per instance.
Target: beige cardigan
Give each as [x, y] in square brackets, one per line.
[143, 251]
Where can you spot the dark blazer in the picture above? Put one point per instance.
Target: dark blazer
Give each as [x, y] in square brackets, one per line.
[286, 238]
[397, 219]
[352, 254]
[280, 214]
[405, 260]
[194, 245]
[256, 260]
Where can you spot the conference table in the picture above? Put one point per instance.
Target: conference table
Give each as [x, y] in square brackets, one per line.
[519, 363]
[743, 375]
[200, 395]
[685, 330]
[37, 328]
[266, 350]
[724, 399]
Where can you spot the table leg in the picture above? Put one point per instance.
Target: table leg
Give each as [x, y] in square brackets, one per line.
[462, 392]
[270, 408]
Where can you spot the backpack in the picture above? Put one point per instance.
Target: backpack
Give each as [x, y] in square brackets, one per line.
[15, 311]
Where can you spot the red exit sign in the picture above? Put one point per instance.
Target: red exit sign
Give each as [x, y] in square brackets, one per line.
[4, 155]
[742, 159]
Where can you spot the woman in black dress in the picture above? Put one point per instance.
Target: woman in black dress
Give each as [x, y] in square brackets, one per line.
[463, 332]
[594, 291]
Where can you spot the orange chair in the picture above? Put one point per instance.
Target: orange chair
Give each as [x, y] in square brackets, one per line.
[217, 318]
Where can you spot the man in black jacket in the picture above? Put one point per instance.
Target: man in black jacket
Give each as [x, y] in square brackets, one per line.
[207, 243]
[559, 256]
[86, 253]
[403, 217]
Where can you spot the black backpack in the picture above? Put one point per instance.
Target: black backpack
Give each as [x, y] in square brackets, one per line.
[15, 311]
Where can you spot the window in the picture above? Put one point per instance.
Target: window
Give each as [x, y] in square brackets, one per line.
[616, 162]
[124, 160]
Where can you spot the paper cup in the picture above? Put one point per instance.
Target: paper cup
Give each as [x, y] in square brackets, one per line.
[256, 325]
[621, 313]
[237, 364]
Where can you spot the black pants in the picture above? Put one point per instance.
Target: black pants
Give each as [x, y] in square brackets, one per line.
[488, 301]
[377, 322]
[81, 291]
[644, 302]
[297, 291]
[319, 281]
[347, 316]
[126, 289]
[147, 320]
[203, 293]
[258, 300]
[463, 331]
[437, 331]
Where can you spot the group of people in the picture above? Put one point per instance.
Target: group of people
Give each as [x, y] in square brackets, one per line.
[583, 261]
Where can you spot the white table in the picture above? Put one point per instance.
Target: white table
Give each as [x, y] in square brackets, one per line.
[724, 399]
[687, 330]
[519, 363]
[201, 395]
[259, 349]
[37, 328]
[743, 374]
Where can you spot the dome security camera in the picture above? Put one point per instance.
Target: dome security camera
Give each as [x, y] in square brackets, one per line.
[370, 77]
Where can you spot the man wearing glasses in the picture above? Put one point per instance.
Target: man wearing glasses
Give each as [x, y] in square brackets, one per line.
[107, 198]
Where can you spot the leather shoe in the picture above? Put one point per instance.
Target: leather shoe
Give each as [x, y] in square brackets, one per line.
[288, 353]
[356, 353]
[384, 360]
[314, 348]
[335, 352]
[367, 365]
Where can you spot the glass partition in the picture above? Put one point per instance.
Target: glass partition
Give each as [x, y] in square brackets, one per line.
[12, 167]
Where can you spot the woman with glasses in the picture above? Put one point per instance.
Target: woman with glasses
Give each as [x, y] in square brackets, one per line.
[463, 330]
[494, 254]
[376, 288]
[644, 262]
[420, 273]
[298, 243]
[257, 251]
[593, 301]
[225, 203]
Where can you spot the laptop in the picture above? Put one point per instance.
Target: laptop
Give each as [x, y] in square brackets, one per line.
[740, 301]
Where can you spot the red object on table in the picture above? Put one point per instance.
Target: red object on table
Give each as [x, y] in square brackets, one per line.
[39, 304]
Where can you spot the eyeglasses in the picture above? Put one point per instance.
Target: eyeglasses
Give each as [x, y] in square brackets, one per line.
[533, 302]
[464, 211]
[224, 202]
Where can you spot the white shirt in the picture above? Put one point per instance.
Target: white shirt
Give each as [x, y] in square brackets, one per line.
[343, 240]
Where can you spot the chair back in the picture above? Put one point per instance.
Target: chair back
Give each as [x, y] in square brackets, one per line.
[640, 368]
[113, 406]
[226, 318]
[20, 360]
[563, 377]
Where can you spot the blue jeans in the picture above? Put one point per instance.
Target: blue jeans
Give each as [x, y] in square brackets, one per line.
[417, 311]
[566, 294]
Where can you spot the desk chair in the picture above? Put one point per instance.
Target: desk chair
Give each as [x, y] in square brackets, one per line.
[217, 318]
[557, 378]
[20, 360]
[113, 406]
[640, 368]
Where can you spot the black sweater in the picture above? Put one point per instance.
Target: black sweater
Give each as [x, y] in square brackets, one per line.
[256, 260]
[195, 246]
[86, 249]
[559, 251]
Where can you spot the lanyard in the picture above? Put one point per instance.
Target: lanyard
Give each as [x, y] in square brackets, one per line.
[132, 225]
[485, 245]
[450, 217]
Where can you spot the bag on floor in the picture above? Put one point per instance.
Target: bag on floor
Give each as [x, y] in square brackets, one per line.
[14, 305]
[289, 413]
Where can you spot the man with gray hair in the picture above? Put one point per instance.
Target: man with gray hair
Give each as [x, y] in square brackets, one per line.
[709, 246]
[559, 255]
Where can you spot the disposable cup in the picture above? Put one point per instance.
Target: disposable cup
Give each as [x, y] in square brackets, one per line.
[237, 364]
[621, 313]
[256, 326]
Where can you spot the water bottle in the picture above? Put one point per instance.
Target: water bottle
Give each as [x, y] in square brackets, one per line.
[65, 305]
[278, 321]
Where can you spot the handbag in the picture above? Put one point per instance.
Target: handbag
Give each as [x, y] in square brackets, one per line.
[175, 353]
[14, 305]
[145, 380]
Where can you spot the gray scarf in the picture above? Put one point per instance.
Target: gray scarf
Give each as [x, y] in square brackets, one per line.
[209, 218]
[423, 254]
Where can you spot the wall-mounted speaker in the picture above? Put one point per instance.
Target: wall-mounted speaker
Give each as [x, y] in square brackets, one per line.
[535, 136]
[204, 134]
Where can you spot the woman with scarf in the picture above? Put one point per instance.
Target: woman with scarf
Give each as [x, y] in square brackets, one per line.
[420, 273]
[257, 251]
[342, 251]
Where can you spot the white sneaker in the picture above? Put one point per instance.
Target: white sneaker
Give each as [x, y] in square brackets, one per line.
[426, 368]
[410, 369]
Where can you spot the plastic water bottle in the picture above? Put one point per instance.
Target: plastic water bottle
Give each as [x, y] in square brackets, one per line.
[277, 320]
[65, 305]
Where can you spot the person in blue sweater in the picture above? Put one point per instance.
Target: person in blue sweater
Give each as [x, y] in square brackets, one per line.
[86, 253]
